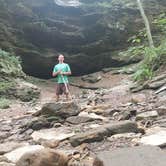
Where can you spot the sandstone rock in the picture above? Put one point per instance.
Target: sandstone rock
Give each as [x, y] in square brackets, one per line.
[147, 115]
[61, 110]
[43, 157]
[103, 131]
[9, 146]
[92, 116]
[16, 154]
[51, 134]
[155, 139]
[139, 156]
[6, 164]
[124, 135]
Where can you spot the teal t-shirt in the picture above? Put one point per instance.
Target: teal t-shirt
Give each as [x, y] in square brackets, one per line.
[64, 67]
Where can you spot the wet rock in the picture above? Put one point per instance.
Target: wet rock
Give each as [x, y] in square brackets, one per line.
[9, 146]
[103, 131]
[78, 119]
[16, 154]
[43, 157]
[147, 115]
[141, 156]
[61, 110]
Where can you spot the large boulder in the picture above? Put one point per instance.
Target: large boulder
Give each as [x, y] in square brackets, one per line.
[44, 157]
[104, 131]
[134, 156]
[61, 110]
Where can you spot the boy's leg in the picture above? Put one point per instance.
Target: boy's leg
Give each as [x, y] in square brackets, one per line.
[57, 92]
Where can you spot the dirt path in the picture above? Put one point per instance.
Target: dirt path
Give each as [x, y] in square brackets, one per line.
[119, 93]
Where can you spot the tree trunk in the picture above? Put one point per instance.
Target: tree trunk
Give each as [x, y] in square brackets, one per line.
[147, 25]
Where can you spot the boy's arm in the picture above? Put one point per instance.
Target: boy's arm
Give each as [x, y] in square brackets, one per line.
[55, 72]
[68, 71]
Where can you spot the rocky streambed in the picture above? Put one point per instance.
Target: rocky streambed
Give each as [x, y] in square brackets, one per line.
[107, 126]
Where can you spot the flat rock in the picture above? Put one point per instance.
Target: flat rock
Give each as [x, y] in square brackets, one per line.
[156, 139]
[16, 154]
[61, 110]
[9, 146]
[79, 119]
[51, 134]
[6, 164]
[146, 115]
[99, 133]
[134, 156]
[92, 116]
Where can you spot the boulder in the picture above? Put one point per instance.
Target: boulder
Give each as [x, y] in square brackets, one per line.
[43, 157]
[51, 134]
[99, 133]
[61, 110]
[78, 119]
[156, 139]
[134, 156]
[9, 146]
[16, 154]
[147, 115]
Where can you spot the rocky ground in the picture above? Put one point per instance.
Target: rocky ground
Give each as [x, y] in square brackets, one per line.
[108, 116]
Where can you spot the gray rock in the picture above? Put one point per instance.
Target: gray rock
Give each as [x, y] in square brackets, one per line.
[9, 146]
[61, 110]
[156, 139]
[135, 156]
[161, 110]
[147, 115]
[43, 157]
[78, 119]
[16, 154]
[91, 78]
[6, 164]
[103, 131]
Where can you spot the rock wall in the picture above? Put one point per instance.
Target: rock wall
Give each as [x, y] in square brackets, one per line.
[88, 33]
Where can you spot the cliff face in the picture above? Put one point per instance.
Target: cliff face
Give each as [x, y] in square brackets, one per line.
[88, 32]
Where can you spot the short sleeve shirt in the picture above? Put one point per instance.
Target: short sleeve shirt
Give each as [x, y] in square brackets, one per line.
[64, 67]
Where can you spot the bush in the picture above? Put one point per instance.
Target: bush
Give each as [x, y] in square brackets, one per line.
[10, 65]
[153, 59]
[4, 103]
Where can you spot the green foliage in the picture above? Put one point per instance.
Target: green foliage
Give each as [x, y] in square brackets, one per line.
[5, 86]
[160, 22]
[132, 52]
[10, 65]
[4, 103]
[153, 59]
[138, 38]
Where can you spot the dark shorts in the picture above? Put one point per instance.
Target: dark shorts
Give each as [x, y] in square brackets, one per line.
[60, 89]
